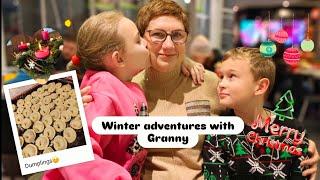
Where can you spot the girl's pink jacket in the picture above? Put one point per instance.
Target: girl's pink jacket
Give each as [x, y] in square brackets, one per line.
[116, 156]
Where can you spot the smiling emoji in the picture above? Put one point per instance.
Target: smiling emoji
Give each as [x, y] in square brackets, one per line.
[55, 159]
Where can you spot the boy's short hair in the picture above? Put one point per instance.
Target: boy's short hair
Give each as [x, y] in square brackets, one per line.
[157, 8]
[261, 67]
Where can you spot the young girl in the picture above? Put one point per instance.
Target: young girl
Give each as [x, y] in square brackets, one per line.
[112, 52]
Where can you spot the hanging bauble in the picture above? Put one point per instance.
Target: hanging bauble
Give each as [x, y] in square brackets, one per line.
[268, 49]
[75, 60]
[281, 36]
[307, 45]
[292, 56]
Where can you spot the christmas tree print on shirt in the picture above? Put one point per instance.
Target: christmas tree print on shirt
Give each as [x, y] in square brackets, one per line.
[239, 149]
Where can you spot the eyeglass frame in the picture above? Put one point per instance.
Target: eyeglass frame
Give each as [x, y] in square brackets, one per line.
[167, 34]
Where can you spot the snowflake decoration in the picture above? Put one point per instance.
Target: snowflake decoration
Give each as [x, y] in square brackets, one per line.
[230, 164]
[301, 158]
[215, 156]
[255, 167]
[277, 170]
[32, 65]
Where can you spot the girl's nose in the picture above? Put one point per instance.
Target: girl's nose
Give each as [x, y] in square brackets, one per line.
[144, 43]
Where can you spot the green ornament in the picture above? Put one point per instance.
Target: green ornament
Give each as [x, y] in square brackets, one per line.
[268, 49]
[307, 45]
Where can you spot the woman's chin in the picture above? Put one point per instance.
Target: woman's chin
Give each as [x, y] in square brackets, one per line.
[163, 66]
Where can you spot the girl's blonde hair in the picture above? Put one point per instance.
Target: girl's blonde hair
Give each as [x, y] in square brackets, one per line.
[97, 37]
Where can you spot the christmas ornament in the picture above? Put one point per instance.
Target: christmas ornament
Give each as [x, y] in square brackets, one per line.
[281, 36]
[268, 48]
[292, 56]
[75, 60]
[307, 45]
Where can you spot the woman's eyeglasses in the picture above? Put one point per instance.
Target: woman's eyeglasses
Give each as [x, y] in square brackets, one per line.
[159, 36]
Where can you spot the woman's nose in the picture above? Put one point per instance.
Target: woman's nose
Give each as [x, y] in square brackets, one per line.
[168, 43]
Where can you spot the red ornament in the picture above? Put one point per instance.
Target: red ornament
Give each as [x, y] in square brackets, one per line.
[292, 56]
[281, 36]
[75, 60]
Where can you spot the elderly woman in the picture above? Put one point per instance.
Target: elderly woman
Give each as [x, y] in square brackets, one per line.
[165, 27]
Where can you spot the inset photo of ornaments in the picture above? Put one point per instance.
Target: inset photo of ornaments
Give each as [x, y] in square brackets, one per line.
[36, 55]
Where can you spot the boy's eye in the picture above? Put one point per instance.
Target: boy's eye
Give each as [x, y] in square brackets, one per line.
[232, 76]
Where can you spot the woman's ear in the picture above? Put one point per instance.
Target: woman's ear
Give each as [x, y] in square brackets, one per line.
[116, 60]
[262, 86]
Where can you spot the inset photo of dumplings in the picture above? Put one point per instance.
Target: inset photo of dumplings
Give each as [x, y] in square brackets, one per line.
[47, 117]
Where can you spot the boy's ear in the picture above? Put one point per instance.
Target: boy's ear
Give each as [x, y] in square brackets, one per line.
[116, 59]
[262, 86]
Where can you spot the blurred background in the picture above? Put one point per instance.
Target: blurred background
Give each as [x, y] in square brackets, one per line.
[216, 26]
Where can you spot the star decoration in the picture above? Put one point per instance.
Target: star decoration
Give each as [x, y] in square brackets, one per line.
[301, 158]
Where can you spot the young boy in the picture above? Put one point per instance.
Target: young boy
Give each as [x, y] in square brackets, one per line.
[269, 147]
